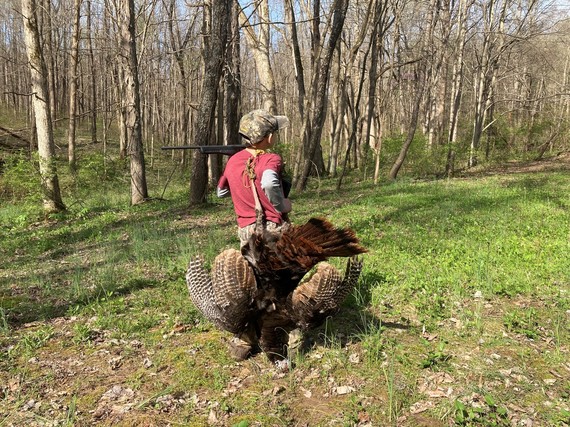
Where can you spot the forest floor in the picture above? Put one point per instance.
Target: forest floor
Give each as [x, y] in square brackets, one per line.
[560, 161]
[96, 327]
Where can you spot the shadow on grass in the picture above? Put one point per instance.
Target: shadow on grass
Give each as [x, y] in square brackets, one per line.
[355, 321]
[73, 263]
[33, 304]
[420, 205]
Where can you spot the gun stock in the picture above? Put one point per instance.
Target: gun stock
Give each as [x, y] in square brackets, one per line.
[227, 150]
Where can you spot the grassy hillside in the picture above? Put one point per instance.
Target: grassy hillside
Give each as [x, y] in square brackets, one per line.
[461, 316]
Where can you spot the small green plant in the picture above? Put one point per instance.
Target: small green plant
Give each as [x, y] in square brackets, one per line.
[489, 414]
[520, 322]
[82, 333]
[329, 335]
[391, 390]
[71, 412]
[373, 342]
[36, 339]
[564, 417]
[437, 358]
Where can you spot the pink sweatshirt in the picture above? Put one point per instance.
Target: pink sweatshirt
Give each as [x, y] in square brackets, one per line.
[236, 181]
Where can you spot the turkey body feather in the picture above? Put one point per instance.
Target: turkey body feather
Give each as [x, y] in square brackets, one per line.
[257, 294]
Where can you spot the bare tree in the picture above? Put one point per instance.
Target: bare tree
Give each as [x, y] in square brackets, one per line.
[73, 87]
[40, 100]
[131, 102]
[93, 75]
[316, 111]
[259, 44]
[232, 80]
[419, 79]
[216, 19]
[297, 59]
[46, 13]
[457, 83]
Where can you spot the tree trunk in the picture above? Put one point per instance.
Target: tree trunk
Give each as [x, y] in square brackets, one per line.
[93, 80]
[49, 57]
[73, 87]
[216, 16]
[132, 103]
[340, 101]
[232, 81]
[487, 72]
[299, 72]
[52, 201]
[422, 76]
[259, 45]
[319, 107]
[457, 85]
[410, 132]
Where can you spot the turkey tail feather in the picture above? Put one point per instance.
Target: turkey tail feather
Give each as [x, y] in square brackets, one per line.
[318, 237]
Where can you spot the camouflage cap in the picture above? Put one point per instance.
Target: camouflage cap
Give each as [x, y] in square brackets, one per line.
[257, 124]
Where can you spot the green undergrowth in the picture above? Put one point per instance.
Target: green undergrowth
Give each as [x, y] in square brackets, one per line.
[461, 315]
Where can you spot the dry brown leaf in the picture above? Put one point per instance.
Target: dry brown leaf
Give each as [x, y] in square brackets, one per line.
[307, 393]
[344, 389]
[421, 406]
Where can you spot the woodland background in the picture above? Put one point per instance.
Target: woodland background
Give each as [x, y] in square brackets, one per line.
[462, 312]
[363, 82]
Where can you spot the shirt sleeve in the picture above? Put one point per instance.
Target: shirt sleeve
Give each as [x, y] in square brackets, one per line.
[223, 188]
[271, 185]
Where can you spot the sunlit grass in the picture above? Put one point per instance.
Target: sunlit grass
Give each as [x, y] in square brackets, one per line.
[462, 276]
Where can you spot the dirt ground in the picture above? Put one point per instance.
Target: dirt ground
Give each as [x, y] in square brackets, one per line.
[560, 161]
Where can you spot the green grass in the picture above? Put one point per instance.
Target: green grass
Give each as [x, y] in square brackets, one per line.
[461, 316]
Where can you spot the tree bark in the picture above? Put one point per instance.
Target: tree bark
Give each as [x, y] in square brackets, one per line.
[73, 87]
[52, 201]
[93, 79]
[132, 103]
[49, 57]
[297, 59]
[259, 44]
[319, 107]
[232, 80]
[216, 17]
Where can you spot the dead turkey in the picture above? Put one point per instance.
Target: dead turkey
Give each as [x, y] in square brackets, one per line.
[258, 294]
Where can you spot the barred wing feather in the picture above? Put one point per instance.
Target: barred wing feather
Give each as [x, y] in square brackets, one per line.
[226, 297]
[321, 296]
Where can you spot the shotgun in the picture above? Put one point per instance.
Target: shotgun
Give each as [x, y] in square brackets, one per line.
[228, 150]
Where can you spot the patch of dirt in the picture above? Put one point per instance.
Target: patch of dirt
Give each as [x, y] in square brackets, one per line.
[559, 162]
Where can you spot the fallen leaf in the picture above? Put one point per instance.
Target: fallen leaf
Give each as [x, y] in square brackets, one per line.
[212, 418]
[363, 417]
[354, 358]
[344, 389]
[307, 393]
[421, 406]
[429, 337]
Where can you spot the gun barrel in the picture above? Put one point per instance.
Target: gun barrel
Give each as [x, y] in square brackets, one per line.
[228, 150]
[182, 147]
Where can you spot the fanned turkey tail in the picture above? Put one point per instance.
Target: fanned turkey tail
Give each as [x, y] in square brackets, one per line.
[287, 257]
